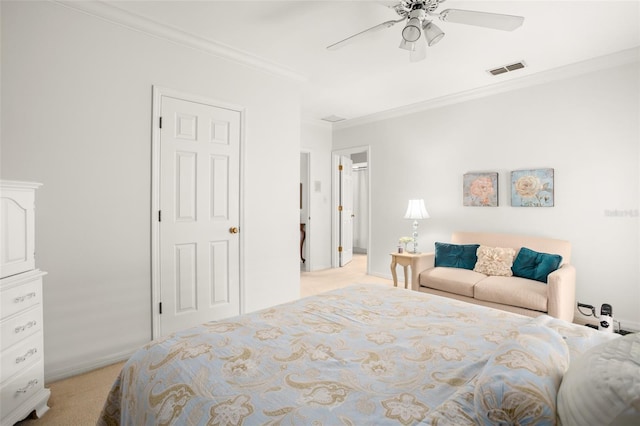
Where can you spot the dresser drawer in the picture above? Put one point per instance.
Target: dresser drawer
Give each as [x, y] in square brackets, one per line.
[22, 387]
[21, 293]
[21, 356]
[21, 326]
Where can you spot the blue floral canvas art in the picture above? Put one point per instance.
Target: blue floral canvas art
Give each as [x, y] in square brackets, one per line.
[532, 188]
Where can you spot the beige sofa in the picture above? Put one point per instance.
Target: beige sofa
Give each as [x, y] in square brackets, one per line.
[520, 295]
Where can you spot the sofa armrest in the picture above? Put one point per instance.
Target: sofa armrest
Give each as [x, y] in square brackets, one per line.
[422, 263]
[561, 296]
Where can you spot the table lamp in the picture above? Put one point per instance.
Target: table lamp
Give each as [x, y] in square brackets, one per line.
[416, 210]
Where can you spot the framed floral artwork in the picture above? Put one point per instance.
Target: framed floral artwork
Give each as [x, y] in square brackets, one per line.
[480, 189]
[532, 188]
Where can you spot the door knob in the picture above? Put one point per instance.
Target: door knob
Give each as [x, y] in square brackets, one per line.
[233, 230]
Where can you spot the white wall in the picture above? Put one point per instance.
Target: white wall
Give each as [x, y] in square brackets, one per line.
[585, 127]
[76, 116]
[316, 140]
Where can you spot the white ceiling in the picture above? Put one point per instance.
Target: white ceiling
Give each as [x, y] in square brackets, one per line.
[373, 74]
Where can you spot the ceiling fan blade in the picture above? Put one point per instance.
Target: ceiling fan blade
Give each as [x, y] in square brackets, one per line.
[348, 40]
[496, 21]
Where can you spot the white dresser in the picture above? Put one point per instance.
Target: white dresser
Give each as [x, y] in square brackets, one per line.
[21, 327]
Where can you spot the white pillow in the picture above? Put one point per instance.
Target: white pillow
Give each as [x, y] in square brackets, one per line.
[603, 385]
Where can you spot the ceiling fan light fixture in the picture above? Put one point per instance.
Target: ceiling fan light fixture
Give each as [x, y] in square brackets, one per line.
[432, 33]
[404, 44]
[412, 31]
[419, 52]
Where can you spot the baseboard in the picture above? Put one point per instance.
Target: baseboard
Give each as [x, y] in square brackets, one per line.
[55, 374]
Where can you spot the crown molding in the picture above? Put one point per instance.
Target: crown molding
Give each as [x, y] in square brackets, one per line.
[111, 13]
[623, 57]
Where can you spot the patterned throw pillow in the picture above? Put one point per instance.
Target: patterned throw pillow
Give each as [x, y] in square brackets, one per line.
[495, 261]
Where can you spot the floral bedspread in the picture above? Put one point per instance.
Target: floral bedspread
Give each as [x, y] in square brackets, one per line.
[362, 355]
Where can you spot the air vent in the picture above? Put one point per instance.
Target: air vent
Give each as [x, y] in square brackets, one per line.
[507, 68]
[498, 71]
[333, 119]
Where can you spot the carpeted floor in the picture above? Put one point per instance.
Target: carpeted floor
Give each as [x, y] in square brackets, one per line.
[77, 401]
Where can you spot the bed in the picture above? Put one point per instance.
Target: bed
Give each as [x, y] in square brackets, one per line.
[365, 354]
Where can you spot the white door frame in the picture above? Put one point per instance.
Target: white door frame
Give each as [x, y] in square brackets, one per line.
[158, 92]
[335, 197]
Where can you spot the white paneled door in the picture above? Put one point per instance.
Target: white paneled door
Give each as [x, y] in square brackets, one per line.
[199, 212]
[346, 210]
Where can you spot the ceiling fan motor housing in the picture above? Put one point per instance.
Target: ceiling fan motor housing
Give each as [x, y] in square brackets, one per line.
[406, 6]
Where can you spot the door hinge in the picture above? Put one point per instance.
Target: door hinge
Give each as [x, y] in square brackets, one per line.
[159, 215]
[160, 308]
[339, 249]
[339, 208]
[160, 122]
[340, 167]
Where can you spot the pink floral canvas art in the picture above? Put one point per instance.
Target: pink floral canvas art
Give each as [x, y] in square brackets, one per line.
[532, 188]
[480, 189]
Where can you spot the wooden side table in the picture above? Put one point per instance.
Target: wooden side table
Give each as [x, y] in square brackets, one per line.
[406, 260]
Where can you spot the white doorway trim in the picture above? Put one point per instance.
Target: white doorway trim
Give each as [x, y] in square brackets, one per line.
[335, 221]
[158, 93]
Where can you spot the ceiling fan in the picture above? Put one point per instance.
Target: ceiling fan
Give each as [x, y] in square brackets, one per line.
[419, 15]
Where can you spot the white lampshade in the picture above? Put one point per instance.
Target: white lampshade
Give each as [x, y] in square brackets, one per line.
[404, 44]
[419, 52]
[416, 210]
[412, 31]
[432, 33]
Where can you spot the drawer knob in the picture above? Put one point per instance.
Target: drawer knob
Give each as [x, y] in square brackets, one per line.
[27, 296]
[24, 357]
[22, 328]
[31, 384]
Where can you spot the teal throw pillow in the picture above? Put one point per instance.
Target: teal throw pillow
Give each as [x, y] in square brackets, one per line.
[456, 255]
[534, 265]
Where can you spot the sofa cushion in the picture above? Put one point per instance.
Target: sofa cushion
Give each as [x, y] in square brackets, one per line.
[495, 261]
[456, 255]
[453, 280]
[535, 265]
[513, 291]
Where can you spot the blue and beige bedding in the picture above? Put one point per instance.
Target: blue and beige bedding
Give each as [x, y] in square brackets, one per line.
[365, 354]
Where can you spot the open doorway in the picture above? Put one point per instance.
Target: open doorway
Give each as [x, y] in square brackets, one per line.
[305, 223]
[357, 233]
